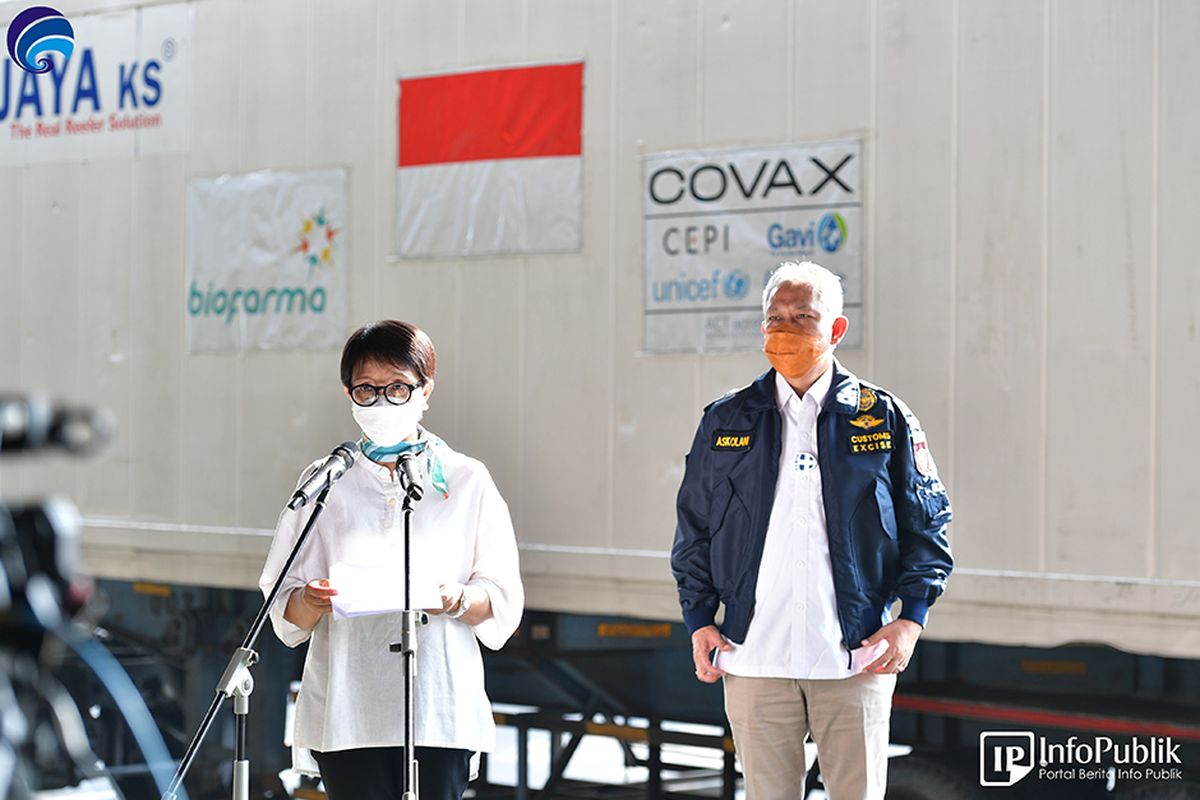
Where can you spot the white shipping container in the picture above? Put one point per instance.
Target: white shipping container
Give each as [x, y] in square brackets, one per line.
[1030, 187]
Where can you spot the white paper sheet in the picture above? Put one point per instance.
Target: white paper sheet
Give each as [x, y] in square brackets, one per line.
[378, 589]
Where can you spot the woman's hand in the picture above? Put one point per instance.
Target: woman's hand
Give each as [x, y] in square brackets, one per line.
[452, 594]
[480, 604]
[318, 595]
[306, 606]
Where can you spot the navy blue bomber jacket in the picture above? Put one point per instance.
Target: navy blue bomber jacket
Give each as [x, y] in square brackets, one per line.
[886, 511]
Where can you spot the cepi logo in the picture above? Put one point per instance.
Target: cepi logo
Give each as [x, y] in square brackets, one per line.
[35, 33]
[831, 232]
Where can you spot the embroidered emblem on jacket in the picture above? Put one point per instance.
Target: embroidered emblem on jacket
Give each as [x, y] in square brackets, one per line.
[732, 441]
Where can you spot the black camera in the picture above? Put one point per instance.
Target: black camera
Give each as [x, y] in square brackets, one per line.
[43, 739]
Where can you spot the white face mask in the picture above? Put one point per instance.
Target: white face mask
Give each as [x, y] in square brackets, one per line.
[388, 425]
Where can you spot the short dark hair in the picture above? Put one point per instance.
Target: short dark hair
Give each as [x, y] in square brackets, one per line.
[389, 341]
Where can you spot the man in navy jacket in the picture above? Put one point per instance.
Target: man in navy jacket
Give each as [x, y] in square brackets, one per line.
[810, 504]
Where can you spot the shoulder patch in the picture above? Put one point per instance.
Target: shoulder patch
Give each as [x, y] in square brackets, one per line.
[922, 458]
[733, 441]
[866, 422]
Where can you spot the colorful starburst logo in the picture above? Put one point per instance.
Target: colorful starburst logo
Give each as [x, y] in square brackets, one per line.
[316, 240]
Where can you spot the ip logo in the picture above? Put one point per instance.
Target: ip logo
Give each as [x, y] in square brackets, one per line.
[1005, 757]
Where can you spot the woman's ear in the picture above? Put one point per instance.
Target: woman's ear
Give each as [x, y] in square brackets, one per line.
[428, 388]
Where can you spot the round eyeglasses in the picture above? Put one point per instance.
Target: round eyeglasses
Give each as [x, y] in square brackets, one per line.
[364, 394]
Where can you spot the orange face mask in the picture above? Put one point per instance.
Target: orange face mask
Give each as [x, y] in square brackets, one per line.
[792, 352]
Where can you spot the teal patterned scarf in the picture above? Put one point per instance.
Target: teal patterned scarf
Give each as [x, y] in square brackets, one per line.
[425, 447]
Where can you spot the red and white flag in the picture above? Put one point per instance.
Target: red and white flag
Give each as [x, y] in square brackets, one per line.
[491, 162]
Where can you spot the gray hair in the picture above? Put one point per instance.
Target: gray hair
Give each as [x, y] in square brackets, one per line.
[827, 286]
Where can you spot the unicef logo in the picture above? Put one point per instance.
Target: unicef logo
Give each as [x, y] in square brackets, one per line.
[831, 233]
[736, 284]
[35, 33]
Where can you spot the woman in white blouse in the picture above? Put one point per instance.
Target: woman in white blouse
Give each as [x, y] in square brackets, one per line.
[350, 714]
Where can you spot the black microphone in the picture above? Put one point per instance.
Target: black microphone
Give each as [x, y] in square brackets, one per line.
[32, 423]
[410, 476]
[340, 460]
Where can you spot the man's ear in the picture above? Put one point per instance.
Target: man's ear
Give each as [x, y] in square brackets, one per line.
[840, 326]
[428, 388]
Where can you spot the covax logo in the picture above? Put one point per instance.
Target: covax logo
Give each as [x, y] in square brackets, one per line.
[35, 33]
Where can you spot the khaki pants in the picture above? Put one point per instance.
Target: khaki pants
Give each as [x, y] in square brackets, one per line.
[849, 720]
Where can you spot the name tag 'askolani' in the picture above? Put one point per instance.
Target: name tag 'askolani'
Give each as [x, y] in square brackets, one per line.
[733, 441]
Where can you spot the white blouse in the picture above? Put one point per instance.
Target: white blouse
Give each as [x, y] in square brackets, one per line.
[352, 691]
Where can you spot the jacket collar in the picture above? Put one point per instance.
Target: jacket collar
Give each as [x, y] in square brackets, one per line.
[842, 397]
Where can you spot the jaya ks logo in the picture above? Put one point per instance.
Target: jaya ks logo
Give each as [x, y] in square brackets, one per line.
[34, 34]
[48, 90]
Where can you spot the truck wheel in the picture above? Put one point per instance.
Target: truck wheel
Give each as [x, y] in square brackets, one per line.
[920, 778]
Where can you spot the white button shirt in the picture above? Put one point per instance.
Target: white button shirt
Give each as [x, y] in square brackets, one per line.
[352, 691]
[795, 631]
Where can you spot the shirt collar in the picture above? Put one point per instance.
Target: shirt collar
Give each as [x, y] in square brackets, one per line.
[380, 471]
[785, 394]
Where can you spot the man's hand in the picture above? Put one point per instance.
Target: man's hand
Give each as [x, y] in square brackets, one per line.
[901, 636]
[704, 641]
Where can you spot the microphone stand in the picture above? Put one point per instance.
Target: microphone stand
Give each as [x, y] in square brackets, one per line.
[407, 647]
[237, 682]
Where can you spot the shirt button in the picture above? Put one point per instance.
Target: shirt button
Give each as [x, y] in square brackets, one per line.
[391, 501]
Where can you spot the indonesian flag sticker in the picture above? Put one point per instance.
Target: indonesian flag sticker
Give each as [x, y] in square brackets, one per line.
[921, 455]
